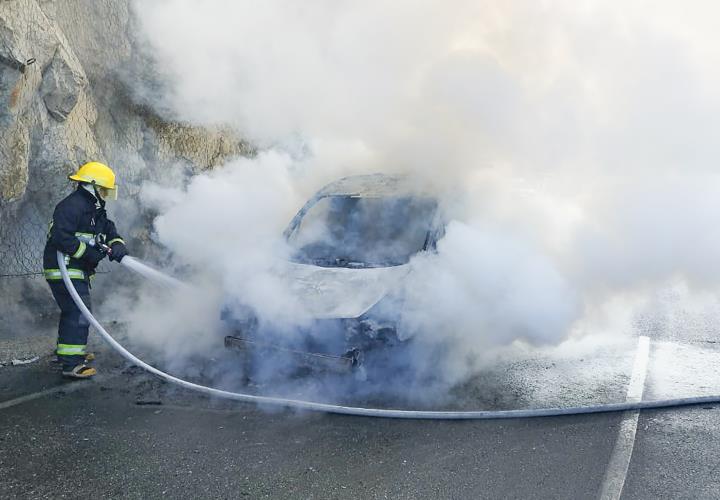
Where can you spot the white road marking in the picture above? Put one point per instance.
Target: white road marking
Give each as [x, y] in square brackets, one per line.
[622, 453]
[66, 388]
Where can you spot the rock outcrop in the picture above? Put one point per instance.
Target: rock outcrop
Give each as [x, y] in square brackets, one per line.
[65, 99]
[68, 70]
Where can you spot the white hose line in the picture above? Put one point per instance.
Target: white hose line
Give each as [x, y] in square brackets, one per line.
[371, 412]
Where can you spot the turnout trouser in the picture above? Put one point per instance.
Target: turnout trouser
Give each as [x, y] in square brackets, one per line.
[73, 327]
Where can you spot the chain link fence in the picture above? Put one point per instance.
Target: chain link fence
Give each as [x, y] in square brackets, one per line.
[47, 127]
[65, 71]
[21, 245]
[69, 79]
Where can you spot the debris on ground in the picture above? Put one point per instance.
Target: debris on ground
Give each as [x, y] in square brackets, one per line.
[148, 402]
[18, 362]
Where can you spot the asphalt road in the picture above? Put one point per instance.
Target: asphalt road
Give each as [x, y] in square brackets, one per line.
[93, 439]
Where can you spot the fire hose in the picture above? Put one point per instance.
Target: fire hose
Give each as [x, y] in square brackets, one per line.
[367, 412]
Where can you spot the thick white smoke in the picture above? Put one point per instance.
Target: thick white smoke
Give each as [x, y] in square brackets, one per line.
[573, 144]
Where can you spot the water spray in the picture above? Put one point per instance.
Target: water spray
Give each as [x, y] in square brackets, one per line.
[152, 274]
[137, 266]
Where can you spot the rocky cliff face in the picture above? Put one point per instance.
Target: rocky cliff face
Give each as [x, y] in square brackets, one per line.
[66, 97]
[68, 70]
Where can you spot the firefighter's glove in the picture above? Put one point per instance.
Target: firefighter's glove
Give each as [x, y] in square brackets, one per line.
[118, 251]
[93, 255]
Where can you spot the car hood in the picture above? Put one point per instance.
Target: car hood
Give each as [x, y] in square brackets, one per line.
[338, 292]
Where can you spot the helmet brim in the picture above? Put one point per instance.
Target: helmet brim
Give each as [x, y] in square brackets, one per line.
[78, 178]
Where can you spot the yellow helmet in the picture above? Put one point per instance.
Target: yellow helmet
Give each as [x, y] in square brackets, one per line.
[98, 174]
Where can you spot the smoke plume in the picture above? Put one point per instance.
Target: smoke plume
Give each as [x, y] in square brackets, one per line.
[572, 145]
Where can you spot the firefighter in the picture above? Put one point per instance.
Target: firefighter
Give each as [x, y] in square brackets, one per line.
[81, 230]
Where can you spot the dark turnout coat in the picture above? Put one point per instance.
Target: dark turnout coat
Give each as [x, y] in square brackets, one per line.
[77, 219]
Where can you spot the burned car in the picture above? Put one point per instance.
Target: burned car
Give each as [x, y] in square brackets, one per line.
[351, 247]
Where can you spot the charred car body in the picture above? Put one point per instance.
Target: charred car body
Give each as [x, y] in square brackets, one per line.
[351, 247]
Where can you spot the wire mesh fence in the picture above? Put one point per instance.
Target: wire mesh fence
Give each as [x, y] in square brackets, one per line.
[21, 245]
[46, 131]
[78, 95]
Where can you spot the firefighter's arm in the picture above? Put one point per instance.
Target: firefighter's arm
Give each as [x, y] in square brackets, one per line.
[62, 233]
[62, 236]
[115, 242]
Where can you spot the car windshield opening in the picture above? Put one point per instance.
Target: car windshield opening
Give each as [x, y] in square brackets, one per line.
[350, 231]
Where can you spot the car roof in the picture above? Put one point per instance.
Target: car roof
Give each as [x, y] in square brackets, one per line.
[372, 186]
